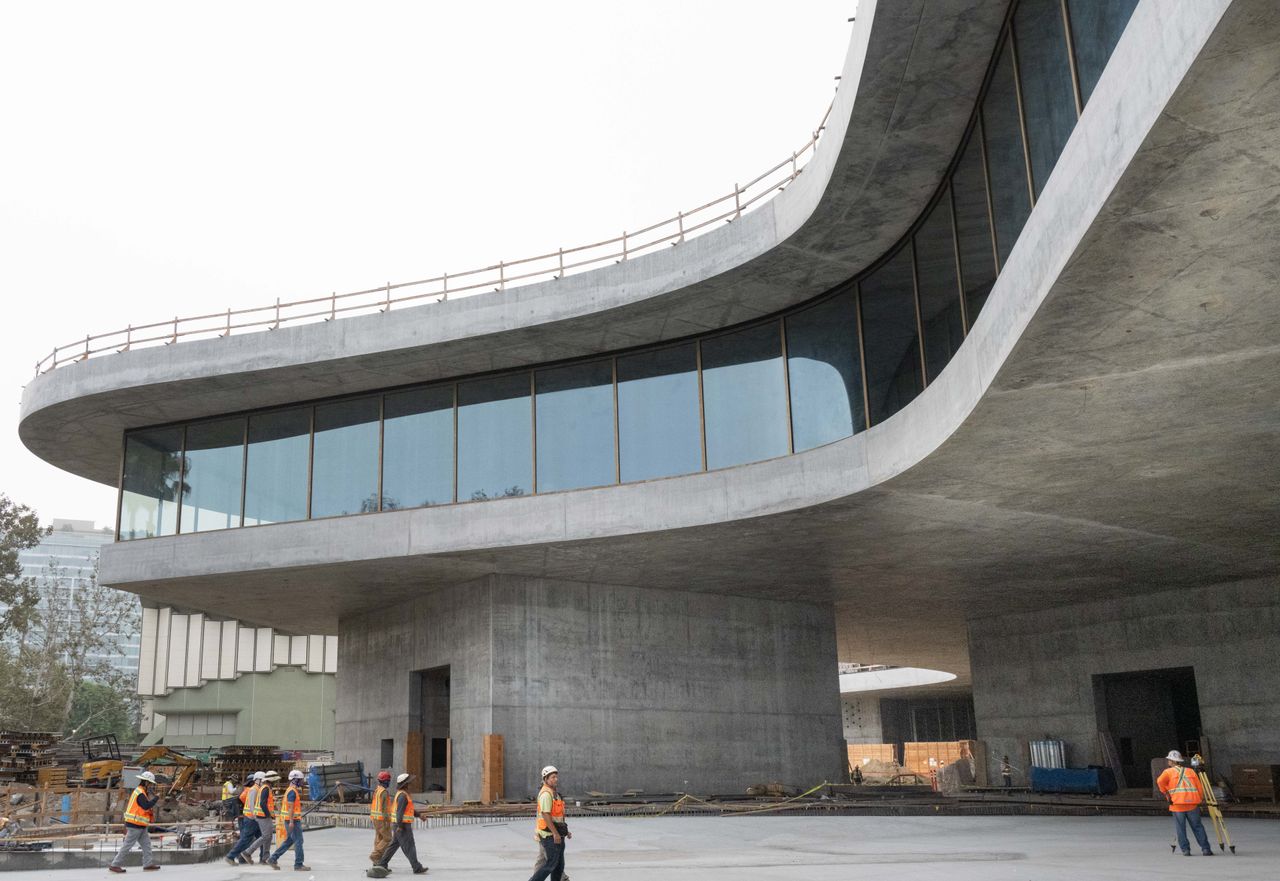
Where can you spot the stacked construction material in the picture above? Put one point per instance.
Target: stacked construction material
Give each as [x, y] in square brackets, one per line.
[921, 758]
[24, 753]
[235, 763]
[491, 790]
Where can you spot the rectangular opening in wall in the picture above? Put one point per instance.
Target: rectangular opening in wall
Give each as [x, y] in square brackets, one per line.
[432, 689]
[387, 756]
[1148, 713]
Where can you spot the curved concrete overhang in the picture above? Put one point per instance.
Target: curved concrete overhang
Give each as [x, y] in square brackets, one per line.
[1110, 424]
[913, 70]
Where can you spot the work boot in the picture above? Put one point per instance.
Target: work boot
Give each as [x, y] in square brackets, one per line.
[151, 868]
[116, 869]
[273, 864]
[421, 870]
[302, 868]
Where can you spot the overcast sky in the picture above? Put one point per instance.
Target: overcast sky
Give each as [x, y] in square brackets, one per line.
[181, 158]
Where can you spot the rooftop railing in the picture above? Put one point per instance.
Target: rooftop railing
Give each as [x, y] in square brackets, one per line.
[498, 276]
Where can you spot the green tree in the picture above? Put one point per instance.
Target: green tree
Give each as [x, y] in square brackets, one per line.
[100, 709]
[20, 530]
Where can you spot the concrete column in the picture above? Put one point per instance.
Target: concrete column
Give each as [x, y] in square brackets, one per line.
[1033, 672]
[621, 687]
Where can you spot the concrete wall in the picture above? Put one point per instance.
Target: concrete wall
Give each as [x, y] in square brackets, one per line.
[287, 708]
[861, 717]
[620, 687]
[1033, 672]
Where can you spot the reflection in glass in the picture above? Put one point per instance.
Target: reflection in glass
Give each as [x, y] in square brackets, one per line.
[825, 373]
[659, 433]
[1096, 26]
[495, 438]
[973, 226]
[152, 467]
[889, 337]
[212, 483]
[744, 396]
[417, 448]
[1048, 97]
[276, 482]
[344, 463]
[940, 317]
[1009, 195]
[574, 410]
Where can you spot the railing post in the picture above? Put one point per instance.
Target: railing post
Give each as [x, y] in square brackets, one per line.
[276, 326]
[175, 329]
[445, 295]
[387, 307]
[502, 276]
[624, 244]
[128, 338]
[228, 332]
[737, 202]
[86, 348]
[333, 305]
[795, 170]
[680, 220]
[561, 275]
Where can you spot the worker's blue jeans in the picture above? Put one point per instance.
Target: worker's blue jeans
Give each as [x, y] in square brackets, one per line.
[1181, 819]
[248, 832]
[554, 866]
[293, 840]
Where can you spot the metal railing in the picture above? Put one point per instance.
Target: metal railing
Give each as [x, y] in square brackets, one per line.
[499, 276]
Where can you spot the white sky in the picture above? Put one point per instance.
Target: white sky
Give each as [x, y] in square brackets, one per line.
[168, 158]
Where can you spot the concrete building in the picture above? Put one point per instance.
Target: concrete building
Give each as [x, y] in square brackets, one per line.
[208, 682]
[68, 557]
[990, 388]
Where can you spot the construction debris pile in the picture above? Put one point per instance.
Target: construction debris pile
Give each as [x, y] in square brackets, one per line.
[25, 755]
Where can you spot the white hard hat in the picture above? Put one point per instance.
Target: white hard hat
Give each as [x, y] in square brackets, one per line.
[295, 774]
[402, 778]
[271, 775]
[259, 775]
[549, 769]
[147, 776]
[1174, 756]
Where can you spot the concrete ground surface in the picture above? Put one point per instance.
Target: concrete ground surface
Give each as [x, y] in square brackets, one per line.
[809, 848]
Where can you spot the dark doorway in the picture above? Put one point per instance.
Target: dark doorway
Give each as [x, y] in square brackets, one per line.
[1147, 713]
[433, 722]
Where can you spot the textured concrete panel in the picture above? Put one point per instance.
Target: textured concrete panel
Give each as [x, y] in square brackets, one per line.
[631, 688]
[1032, 671]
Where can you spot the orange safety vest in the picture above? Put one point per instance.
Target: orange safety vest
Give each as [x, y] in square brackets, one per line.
[380, 807]
[557, 811]
[1184, 792]
[135, 814]
[257, 802]
[408, 807]
[293, 812]
[244, 797]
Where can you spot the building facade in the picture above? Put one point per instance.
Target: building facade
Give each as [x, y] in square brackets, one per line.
[989, 388]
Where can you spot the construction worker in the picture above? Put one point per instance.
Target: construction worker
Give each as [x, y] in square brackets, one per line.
[228, 789]
[265, 813]
[139, 814]
[380, 815]
[1006, 772]
[249, 829]
[1181, 786]
[402, 816]
[291, 816]
[551, 829]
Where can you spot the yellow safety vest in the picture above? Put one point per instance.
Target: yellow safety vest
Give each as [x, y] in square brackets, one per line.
[227, 790]
[135, 814]
[380, 807]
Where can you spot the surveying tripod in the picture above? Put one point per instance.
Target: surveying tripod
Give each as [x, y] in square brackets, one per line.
[1211, 802]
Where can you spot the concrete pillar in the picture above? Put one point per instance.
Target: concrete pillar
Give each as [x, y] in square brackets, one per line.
[1033, 672]
[621, 687]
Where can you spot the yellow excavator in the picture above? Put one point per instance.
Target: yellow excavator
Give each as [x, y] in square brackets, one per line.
[162, 759]
[102, 765]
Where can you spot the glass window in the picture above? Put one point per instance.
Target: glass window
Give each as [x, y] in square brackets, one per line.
[152, 464]
[276, 482]
[214, 475]
[889, 337]
[825, 373]
[574, 410]
[939, 291]
[417, 448]
[659, 425]
[495, 438]
[1009, 195]
[744, 396]
[344, 466]
[1048, 97]
[1096, 26]
[973, 226]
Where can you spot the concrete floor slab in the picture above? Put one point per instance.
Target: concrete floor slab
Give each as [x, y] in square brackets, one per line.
[809, 848]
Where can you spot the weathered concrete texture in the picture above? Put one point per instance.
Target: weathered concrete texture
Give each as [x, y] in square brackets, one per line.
[1032, 671]
[907, 89]
[629, 687]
